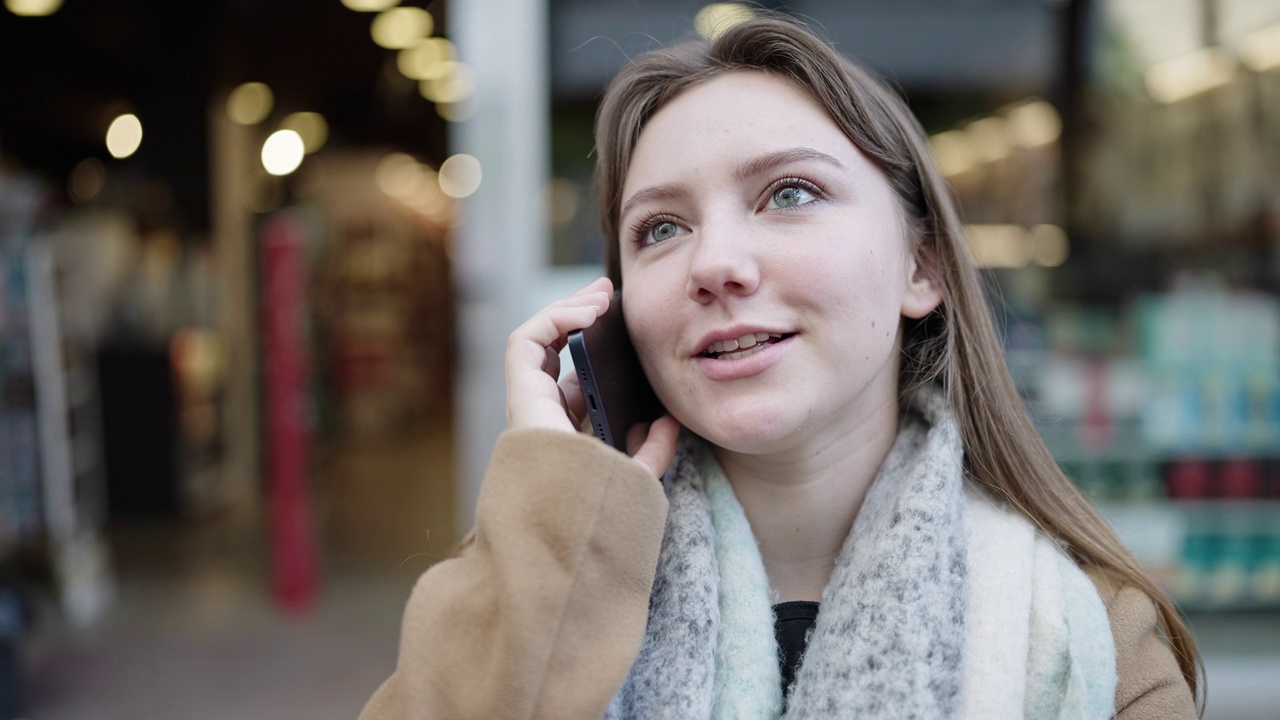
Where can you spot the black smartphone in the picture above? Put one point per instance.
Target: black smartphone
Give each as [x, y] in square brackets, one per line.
[614, 386]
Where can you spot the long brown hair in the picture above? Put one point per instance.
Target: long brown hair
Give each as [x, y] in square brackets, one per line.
[957, 345]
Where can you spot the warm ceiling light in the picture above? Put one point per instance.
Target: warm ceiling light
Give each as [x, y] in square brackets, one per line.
[423, 59]
[282, 152]
[715, 19]
[999, 246]
[1033, 124]
[400, 27]
[1260, 49]
[250, 103]
[1050, 245]
[402, 177]
[952, 152]
[988, 139]
[310, 126]
[456, 84]
[460, 176]
[33, 8]
[124, 136]
[370, 5]
[1189, 75]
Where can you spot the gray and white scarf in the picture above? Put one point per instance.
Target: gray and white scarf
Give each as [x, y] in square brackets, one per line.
[942, 604]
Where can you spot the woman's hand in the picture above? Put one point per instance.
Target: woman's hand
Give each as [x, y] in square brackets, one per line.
[535, 399]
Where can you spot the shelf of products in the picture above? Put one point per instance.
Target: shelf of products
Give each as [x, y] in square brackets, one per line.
[1166, 412]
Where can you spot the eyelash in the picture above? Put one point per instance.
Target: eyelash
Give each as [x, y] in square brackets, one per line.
[801, 183]
[640, 229]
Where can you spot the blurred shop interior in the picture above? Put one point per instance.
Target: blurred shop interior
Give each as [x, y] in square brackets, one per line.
[259, 260]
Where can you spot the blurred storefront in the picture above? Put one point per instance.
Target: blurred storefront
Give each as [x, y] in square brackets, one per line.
[259, 259]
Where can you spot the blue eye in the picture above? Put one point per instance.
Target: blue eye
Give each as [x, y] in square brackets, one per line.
[663, 231]
[789, 196]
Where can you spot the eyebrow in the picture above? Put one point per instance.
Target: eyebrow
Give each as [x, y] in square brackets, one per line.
[746, 169]
[669, 191]
[769, 161]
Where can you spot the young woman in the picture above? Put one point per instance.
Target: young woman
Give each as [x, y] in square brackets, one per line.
[858, 518]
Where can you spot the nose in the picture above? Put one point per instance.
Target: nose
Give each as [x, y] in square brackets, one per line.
[723, 263]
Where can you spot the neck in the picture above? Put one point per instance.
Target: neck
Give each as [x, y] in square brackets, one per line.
[802, 503]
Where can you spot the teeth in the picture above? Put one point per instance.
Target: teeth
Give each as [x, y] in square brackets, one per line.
[742, 353]
[727, 349]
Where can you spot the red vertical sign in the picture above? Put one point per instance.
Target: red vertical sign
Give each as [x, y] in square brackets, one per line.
[284, 360]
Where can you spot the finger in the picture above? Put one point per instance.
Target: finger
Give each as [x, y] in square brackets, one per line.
[659, 446]
[533, 397]
[551, 365]
[571, 391]
[550, 325]
[574, 418]
[635, 438]
[527, 345]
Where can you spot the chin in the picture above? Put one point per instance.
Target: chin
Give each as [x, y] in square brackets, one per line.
[748, 432]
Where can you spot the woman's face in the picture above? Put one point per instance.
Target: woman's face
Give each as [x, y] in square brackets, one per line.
[765, 267]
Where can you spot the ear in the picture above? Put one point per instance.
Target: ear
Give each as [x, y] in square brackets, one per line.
[922, 294]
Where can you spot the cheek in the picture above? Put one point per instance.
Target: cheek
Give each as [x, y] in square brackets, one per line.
[644, 318]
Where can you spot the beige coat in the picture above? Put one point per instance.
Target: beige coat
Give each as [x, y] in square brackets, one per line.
[543, 615]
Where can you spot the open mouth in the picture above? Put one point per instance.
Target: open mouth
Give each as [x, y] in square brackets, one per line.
[742, 347]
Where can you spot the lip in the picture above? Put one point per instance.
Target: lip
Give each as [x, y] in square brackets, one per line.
[753, 364]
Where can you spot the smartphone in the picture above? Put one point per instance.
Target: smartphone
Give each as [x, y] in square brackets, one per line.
[614, 386]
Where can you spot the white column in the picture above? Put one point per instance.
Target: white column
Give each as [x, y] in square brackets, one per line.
[231, 157]
[500, 246]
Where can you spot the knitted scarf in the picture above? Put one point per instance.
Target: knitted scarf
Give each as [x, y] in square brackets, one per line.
[942, 604]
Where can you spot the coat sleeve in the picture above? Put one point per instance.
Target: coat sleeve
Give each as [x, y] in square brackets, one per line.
[544, 613]
[1151, 686]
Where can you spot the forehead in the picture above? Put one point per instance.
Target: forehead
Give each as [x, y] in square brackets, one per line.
[729, 117]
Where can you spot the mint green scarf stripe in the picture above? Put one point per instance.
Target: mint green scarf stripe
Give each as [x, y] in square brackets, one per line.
[747, 686]
[1091, 688]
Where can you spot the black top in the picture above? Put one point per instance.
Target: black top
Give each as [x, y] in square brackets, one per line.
[792, 623]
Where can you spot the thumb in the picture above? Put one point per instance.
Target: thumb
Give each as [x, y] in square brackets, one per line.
[657, 448]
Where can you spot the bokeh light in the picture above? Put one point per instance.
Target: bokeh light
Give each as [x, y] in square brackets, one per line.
[310, 126]
[952, 153]
[402, 177]
[1260, 49]
[460, 176]
[988, 139]
[1050, 245]
[714, 20]
[33, 8]
[250, 103]
[1189, 75]
[1000, 246]
[401, 27]
[455, 85]
[370, 5]
[1034, 123]
[124, 136]
[282, 152]
[425, 58]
